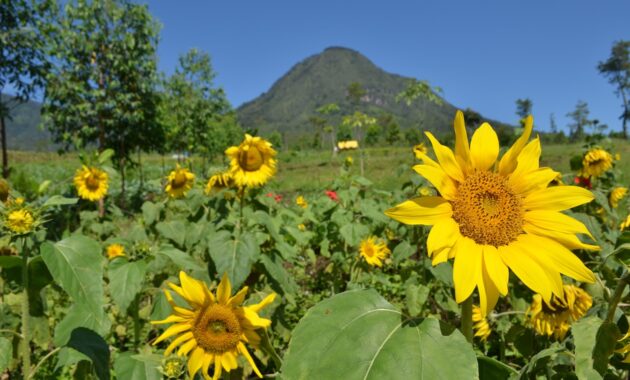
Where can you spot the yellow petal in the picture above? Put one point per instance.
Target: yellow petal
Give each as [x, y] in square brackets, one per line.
[171, 319]
[217, 367]
[440, 256]
[224, 290]
[443, 234]
[172, 330]
[228, 360]
[557, 198]
[551, 273]
[488, 293]
[555, 221]
[243, 350]
[260, 305]
[462, 150]
[421, 210]
[179, 340]
[467, 268]
[238, 297]
[208, 359]
[508, 161]
[484, 147]
[528, 159]
[438, 178]
[192, 289]
[446, 158]
[187, 347]
[252, 317]
[526, 269]
[558, 257]
[495, 267]
[426, 160]
[532, 181]
[568, 240]
[195, 361]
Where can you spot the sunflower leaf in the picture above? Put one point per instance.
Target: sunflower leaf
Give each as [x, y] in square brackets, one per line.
[233, 255]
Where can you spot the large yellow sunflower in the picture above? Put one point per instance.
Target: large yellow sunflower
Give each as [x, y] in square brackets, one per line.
[91, 183]
[179, 181]
[596, 162]
[214, 330]
[252, 162]
[493, 215]
[555, 318]
[20, 221]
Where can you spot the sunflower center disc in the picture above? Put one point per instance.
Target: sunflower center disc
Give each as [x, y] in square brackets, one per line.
[179, 180]
[558, 308]
[250, 159]
[217, 329]
[92, 183]
[487, 210]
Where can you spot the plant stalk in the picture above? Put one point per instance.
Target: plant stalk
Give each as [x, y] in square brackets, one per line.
[623, 281]
[26, 348]
[467, 323]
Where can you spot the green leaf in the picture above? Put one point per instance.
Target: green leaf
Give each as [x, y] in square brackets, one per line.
[541, 356]
[273, 266]
[39, 277]
[359, 335]
[105, 156]
[94, 347]
[10, 261]
[178, 257]
[6, 353]
[233, 255]
[174, 230]
[353, 233]
[76, 265]
[80, 316]
[125, 281]
[403, 251]
[129, 366]
[151, 212]
[416, 296]
[594, 343]
[58, 200]
[492, 369]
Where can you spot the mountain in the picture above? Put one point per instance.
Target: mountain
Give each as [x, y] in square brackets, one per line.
[324, 78]
[23, 132]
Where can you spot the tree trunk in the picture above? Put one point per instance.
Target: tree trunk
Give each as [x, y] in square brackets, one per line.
[626, 114]
[5, 158]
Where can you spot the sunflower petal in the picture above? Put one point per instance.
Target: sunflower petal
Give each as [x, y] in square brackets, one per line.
[218, 369]
[193, 289]
[177, 341]
[224, 290]
[488, 293]
[532, 181]
[568, 240]
[260, 305]
[443, 234]
[187, 347]
[467, 268]
[508, 161]
[462, 150]
[421, 210]
[239, 297]
[172, 330]
[195, 361]
[496, 269]
[484, 147]
[438, 178]
[208, 359]
[446, 159]
[526, 269]
[441, 256]
[528, 160]
[556, 221]
[243, 350]
[252, 317]
[557, 198]
[228, 360]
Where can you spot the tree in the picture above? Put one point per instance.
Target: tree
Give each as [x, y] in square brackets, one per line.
[102, 88]
[23, 62]
[472, 118]
[617, 69]
[355, 92]
[580, 120]
[419, 89]
[553, 127]
[524, 107]
[413, 136]
[373, 134]
[327, 110]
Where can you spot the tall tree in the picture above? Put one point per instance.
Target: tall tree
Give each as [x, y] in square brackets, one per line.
[553, 126]
[580, 120]
[102, 89]
[523, 109]
[23, 63]
[354, 93]
[419, 89]
[617, 69]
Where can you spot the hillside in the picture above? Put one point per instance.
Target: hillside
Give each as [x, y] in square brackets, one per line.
[23, 132]
[324, 78]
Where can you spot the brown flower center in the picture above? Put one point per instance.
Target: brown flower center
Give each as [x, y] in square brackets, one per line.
[250, 158]
[487, 210]
[92, 182]
[217, 329]
[179, 180]
[557, 307]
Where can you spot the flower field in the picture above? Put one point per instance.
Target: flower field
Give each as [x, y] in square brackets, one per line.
[479, 263]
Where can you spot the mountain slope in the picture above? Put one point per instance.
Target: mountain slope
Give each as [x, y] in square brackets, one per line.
[23, 132]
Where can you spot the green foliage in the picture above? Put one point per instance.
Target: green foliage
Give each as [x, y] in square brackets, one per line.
[617, 69]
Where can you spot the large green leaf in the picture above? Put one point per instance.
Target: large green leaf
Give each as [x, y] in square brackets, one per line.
[594, 343]
[58, 200]
[76, 265]
[80, 316]
[233, 255]
[94, 347]
[129, 366]
[353, 233]
[6, 353]
[125, 281]
[492, 369]
[173, 230]
[273, 265]
[359, 335]
[178, 257]
[10, 261]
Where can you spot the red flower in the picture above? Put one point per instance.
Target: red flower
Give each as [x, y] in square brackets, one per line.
[278, 198]
[332, 195]
[583, 181]
[270, 195]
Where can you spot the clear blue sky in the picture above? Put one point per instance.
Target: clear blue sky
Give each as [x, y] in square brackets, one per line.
[484, 54]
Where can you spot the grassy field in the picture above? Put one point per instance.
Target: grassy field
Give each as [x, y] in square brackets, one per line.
[303, 171]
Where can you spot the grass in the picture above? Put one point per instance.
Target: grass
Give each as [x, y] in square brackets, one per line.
[304, 171]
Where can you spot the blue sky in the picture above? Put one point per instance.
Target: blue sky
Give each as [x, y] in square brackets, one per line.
[484, 54]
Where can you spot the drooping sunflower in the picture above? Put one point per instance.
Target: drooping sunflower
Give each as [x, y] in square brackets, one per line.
[616, 195]
[374, 251]
[420, 150]
[179, 181]
[625, 224]
[625, 350]
[481, 325]
[91, 183]
[252, 162]
[218, 181]
[115, 250]
[494, 216]
[555, 318]
[301, 201]
[596, 162]
[214, 329]
[19, 221]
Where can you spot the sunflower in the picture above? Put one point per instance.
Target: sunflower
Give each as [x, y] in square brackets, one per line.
[491, 216]
[481, 325]
[300, 201]
[115, 250]
[91, 183]
[179, 181]
[625, 224]
[252, 162]
[420, 150]
[424, 191]
[616, 195]
[20, 221]
[595, 162]
[4, 190]
[218, 181]
[555, 318]
[625, 350]
[374, 251]
[214, 330]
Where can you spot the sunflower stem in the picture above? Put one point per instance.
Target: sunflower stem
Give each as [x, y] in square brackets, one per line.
[26, 348]
[266, 342]
[467, 322]
[48, 355]
[621, 286]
